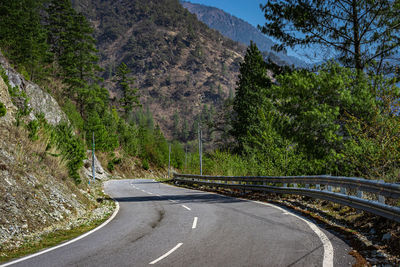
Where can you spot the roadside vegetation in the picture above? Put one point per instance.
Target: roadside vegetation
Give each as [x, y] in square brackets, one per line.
[340, 118]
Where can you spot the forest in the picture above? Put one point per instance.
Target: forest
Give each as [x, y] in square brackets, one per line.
[340, 118]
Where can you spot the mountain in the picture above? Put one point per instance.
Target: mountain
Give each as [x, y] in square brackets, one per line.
[184, 70]
[240, 31]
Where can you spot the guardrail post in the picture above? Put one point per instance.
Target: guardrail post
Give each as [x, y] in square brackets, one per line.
[284, 185]
[307, 186]
[360, 194]
[329, 188]
[294, 185]
[318, 186]
[381, 198]
[343, 190]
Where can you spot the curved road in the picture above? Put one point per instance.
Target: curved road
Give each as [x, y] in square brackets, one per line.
[162, 225]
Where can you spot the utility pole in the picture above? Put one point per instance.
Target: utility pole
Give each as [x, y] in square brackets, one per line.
[169, 160]
[200, 149]
[93, 156]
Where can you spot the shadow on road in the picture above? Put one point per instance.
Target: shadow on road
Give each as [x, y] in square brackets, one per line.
[193, 198]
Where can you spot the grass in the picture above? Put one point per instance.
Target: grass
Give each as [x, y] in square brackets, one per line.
[50, 239]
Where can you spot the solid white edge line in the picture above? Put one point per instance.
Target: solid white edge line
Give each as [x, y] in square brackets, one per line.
[186, 207]
[328, 248]
[69, 242]
[166, 254]
[194, 223]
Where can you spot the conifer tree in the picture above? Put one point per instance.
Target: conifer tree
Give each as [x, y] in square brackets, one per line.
[130, 97]
[22, 36]
[250, 96]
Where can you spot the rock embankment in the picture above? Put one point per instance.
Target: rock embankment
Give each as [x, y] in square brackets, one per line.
[40, 101]
[36, 194]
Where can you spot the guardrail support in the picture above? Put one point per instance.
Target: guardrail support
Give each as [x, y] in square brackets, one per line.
[381, 198]
[380, 189]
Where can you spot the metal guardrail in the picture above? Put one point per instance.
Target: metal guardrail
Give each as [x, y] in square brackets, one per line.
[281, 184]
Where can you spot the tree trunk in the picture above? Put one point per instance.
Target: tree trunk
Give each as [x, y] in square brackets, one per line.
[356, 31]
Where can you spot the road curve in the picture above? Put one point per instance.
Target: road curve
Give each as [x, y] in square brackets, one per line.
[163, 225]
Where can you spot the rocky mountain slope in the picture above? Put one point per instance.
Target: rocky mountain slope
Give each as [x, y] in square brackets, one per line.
[241, 31]
[182, 68]
[37, 196]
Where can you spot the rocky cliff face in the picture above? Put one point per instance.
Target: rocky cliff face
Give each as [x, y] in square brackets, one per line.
[39, 100]
[5, 98]
[36, 194]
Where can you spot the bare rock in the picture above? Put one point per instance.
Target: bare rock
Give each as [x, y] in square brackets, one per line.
[39, 100]
[5, 98]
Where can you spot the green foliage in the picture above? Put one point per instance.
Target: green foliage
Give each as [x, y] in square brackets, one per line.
[177, 155]
[39, 36]
[335, 120]
[130, 97]
[104, 129]
[72, 149]
[251, 97]
[22, 36]
[145, 164]
[64, 139]
[111, 164]
[3, 110]
[33, 127]
[361, 32]
[73, 115]
[153, 146]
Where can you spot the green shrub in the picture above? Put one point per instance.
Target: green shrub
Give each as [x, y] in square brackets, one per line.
[72, 149]
[111, 164]
[145, 164]
[33, 128]
[3, 110]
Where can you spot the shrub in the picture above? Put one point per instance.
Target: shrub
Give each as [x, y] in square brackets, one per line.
[111, 164]
[145, 164]
[3, 110]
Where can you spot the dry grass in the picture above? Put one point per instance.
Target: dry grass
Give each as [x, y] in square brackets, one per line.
[32, 154]
[130, 167]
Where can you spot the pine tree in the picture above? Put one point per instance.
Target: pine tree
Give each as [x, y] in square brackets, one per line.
[79, 57]
[22, 36]
[250, 96]
[130, 97]
[60, 15]
[361, 33]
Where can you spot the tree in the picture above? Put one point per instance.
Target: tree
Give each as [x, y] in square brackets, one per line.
[362, 32]
[251, 96]
[130, 97]
[60, 15]
[22, 36]
[79, 56]
[314, 109]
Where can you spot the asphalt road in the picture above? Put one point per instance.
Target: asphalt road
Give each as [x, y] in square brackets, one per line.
[170, 226]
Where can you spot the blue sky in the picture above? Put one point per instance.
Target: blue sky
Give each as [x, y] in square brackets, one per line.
[248, 10]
